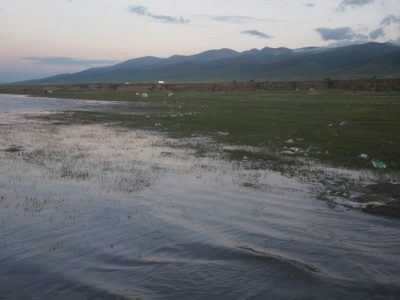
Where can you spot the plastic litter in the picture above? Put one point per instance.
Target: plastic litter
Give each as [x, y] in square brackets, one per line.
[290, 141]
[287, 152]
[363, 156]
[223, 133]
[378, 164]
[343, 189]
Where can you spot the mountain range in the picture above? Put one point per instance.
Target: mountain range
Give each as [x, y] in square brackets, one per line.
[381, 60]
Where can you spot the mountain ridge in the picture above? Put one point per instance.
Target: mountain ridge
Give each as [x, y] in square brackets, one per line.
[354, 61]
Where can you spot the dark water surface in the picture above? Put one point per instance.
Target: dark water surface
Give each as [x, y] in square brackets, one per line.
[96, 213]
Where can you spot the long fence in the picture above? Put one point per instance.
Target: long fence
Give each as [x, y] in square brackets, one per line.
[327, 84]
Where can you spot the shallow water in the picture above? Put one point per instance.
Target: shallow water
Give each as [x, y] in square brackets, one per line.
[93, 212]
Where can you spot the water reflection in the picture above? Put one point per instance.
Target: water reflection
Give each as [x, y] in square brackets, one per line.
[94, 212]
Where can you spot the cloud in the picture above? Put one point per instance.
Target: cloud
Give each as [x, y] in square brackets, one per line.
[309, 4]
[396, 41]
[338, 34]
[233, 19]
[239, 19]
[257, 33]
[377, 33]
[68, 61]
[348, 43]
[353, 3]
[390, 19]
[386, 22]
[143, 11]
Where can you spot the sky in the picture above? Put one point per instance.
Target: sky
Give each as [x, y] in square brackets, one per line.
[41, 38]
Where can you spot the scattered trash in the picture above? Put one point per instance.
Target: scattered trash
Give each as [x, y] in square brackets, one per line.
[343, 189]
[363, 156]
[137, 94]
[330, 125]
[378, 164]
[145, 95]
[245, 158]
[290, 141]
[294, 149]
[223, 133]
[287, 152]
[342, 123]
[170, 95]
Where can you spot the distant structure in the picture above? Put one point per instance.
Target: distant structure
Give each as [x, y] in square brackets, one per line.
[161, 82]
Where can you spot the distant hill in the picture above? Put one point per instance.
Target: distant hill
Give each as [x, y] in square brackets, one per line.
[356, 61]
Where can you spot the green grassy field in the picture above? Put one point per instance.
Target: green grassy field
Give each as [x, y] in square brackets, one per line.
[334, 128]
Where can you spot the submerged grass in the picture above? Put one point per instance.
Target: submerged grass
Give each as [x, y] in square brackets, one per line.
[330, 127]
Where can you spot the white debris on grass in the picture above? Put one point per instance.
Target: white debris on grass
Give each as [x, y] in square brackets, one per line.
[290, 141]
[222, 133]
[170, 95]
[294, 149]
[145, 95]
[363, 156]
[288, 152]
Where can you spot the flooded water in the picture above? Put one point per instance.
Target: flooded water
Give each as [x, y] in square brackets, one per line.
[99, 212]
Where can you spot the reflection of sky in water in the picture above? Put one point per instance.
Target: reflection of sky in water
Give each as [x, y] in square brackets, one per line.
[22, 103]
[12, 106]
